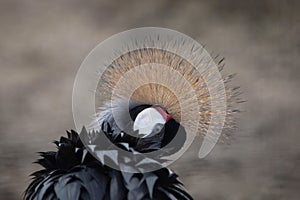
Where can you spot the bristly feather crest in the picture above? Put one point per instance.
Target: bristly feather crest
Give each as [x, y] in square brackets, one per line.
[122, 70]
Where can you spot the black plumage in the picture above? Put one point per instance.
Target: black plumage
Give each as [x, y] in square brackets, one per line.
[73, 173]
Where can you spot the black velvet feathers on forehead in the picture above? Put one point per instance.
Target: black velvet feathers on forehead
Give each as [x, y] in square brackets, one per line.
[136, 110]
[171, 130]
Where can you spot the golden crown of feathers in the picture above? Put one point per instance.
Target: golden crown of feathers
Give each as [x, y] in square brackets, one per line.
[158, 76]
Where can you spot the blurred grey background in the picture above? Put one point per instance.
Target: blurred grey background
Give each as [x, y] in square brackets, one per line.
[42, 44]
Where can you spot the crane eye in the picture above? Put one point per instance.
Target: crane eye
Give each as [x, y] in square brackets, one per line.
[157, 128]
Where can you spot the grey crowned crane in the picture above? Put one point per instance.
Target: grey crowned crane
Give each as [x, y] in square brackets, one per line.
[155, 113]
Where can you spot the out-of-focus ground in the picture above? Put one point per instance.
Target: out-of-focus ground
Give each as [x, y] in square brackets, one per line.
[42, 44]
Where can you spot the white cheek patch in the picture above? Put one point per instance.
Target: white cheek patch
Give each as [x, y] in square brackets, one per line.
[146, 121]
[143, 120]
